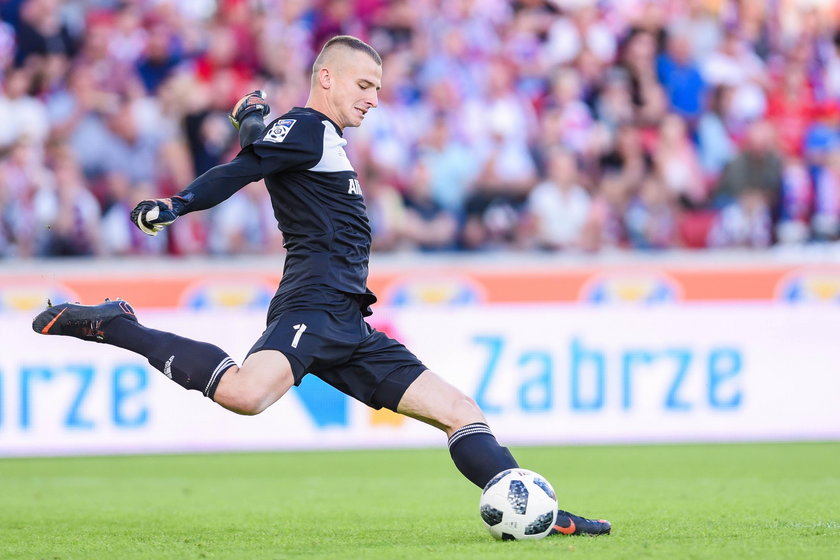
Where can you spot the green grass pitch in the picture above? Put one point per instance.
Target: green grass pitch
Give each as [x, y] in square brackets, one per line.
[689, 501]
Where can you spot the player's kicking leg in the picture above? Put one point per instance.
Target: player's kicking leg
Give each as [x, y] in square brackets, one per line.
[261, 380]
[472, 445]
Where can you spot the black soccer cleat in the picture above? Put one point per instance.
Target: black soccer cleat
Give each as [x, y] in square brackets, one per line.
[253, 102]
[571, 524]
[88, 322]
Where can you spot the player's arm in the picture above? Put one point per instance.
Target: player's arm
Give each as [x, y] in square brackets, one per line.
[247, 117]
[213, 187]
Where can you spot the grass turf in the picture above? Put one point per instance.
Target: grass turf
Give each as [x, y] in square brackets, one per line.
[698, 501]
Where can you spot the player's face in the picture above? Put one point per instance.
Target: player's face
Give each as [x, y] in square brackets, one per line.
[357, 82]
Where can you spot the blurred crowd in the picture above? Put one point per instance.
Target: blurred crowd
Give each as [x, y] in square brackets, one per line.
[534, 125]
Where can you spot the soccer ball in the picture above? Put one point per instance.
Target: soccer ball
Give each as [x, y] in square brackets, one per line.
[518, 504]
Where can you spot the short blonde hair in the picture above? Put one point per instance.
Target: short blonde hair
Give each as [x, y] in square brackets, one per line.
[345, 41]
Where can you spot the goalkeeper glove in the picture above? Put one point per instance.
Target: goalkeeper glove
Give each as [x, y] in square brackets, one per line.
[254, 101]
[151, 216]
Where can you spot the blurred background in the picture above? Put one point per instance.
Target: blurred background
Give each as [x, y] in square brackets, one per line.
[532, 125]
[623, 211]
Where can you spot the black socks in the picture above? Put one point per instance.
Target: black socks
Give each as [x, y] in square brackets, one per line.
[189, 363]
[478, 455]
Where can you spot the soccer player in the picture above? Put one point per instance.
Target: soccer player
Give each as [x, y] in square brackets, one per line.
[316, 319]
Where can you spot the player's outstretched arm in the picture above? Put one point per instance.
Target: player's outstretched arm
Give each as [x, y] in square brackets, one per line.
[213, 187]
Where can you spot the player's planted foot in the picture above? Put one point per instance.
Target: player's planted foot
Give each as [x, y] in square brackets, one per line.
[88, 322]
[571, 524]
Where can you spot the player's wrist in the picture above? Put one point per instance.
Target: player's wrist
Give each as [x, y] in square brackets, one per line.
[180, 203]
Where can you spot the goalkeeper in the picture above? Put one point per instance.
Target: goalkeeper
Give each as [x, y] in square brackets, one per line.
[316, 319]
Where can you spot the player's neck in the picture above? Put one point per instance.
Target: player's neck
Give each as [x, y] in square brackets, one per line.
[324, 108]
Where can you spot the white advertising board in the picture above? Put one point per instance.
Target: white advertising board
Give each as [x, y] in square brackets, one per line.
[547, 374]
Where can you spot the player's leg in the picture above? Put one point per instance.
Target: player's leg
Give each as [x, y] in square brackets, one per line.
[261, 380]
[472, 445]
[190, 363]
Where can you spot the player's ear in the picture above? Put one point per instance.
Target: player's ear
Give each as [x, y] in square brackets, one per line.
[325, 78]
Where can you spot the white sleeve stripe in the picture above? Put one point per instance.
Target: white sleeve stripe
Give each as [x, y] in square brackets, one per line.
[226, 363]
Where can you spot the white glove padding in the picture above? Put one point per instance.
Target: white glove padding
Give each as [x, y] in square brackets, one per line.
[151, 216]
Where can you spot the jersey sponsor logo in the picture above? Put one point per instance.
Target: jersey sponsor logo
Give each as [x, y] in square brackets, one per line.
[279, 131]
[355, 187]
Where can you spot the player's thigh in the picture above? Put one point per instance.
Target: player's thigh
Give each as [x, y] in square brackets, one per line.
[434, 401]
[264, 377]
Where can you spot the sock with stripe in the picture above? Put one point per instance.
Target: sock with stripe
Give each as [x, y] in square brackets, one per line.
[189, 363]
[478, 455]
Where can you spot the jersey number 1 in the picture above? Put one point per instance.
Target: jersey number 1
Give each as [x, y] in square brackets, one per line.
[300, 329]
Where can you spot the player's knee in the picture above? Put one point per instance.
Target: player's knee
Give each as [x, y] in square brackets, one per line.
[242, 398]
[248, 403]
[464, 410]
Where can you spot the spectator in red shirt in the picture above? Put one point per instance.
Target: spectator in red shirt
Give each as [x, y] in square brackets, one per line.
[791, 108]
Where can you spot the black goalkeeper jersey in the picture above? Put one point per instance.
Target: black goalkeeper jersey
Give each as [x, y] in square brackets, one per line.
[316, 197]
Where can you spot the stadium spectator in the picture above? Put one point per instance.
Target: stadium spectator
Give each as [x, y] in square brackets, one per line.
[757, 169]
[791, 106]
[577, 32]
[128, 148]
[606, 226]
[650, 219]
[494, 209]
[639, 61]
[831, 68]
[159, 59]
[559, 205]
[119, 237]
[601, 78]
[385, 211]
[244, 225]
[744, 222]
[823, 135]
[680, 76]
[24, 171]
[40, 32]
[428, 226]
[23, 115]
[701, 25]
[676, 163]
[614, 104]
[629, 158]
[67, 216]
[796, 203]
[451, 165]
[826, 221]
[735, 64]
[714, 142]
[574, 117]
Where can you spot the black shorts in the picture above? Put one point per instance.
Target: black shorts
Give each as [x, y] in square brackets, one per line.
[323, 332]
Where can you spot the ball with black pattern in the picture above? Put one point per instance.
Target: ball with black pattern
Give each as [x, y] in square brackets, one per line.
[518, 504]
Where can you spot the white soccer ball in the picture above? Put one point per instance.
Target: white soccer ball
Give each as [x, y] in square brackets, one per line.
[518, 504]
